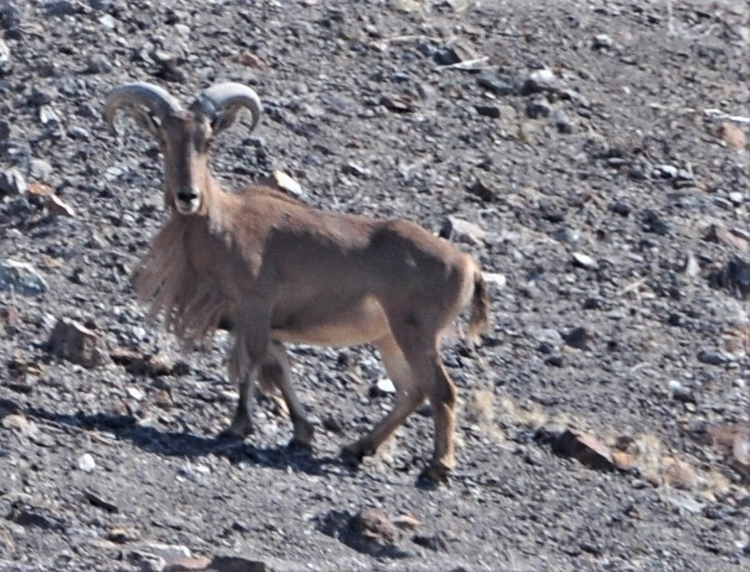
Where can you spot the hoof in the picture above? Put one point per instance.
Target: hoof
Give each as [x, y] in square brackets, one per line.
[433, 476]
[237, 431]
[296, 446]
[352, 456]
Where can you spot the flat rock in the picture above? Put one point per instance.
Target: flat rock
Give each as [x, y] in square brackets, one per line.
[369, 532]
[459, 230]
[22, 278]
[583, 447]
[75, 343]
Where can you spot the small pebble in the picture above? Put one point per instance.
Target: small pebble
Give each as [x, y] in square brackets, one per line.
[86, 463]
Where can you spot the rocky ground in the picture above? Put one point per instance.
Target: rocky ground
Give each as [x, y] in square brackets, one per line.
[591, 154]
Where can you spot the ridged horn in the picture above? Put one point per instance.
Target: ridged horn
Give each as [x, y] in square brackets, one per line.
[156, 99]
[222, 102]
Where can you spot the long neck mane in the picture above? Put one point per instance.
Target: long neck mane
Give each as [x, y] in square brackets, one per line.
[191, 305]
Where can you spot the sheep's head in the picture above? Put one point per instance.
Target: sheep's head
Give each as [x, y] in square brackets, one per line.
[184, 135]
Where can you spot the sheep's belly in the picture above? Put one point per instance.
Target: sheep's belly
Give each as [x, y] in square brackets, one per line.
[358, 324]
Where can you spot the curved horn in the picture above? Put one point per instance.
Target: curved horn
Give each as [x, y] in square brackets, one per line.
[222, 102]
[148, 95]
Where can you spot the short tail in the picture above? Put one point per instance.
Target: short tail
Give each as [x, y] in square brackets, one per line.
[479, 320]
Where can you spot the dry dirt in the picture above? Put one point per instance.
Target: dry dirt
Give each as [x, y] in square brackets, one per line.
[601, 148]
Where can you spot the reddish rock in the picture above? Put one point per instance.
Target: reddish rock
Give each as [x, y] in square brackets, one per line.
[585, 448]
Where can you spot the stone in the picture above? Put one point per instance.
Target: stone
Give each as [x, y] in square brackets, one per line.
[75, 343]
[491, 111]
[397, 103]
[578, 338]
[407, 522]
[652, 222]
[17, 422]
[713, 357]
[59, 8]
[665, 171]
[561, 121]
[169, 552]
[434, 542]
[136, 363]
[373, 525]
[59, 207]
[384, 386]
[40, 97]
[736, 197]
[496, 279]
[370, 531]
[718, 233]
[732, 135]
[86, 463]
[538, 108]
[497, 84]
[10, 317]
[40, 170]
[541, 80]
[620, 208]
[28, 516]
[583, 447]
[481, 188]
[21, 278]
[231, 564]
[284, 182]
[146, 562]
[602, 42]
[97, 500]
[584, 261]
[5, 60]
[454, 53]
[459, 230]
[680, 392]
[98, 63]
[122, 535]
[734, 277]
[356, 170]
[12, 183]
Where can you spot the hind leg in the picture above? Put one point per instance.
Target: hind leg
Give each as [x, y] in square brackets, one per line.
[276, 371]
[419, 344]
[409, 396]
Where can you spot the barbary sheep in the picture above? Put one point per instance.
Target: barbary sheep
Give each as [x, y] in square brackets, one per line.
[276, 271]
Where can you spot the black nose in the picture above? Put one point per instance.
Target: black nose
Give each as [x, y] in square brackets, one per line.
[187, 195]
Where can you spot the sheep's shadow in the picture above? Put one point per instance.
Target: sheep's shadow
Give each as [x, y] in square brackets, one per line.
[188, 445]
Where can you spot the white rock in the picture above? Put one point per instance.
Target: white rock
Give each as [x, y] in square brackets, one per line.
[135, 393]
[108, 22]
[169, 552]
[495, 279]
[86, 463]
[736, 197]
[385, 385]
[4, 54]
[585, 261]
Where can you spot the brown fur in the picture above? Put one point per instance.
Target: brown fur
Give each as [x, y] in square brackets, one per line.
[279, 271]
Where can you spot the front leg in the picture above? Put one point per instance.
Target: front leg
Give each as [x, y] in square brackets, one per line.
[252, 338]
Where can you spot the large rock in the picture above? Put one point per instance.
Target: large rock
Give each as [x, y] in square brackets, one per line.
[370, 531]
[22, 278]
[75, 342]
